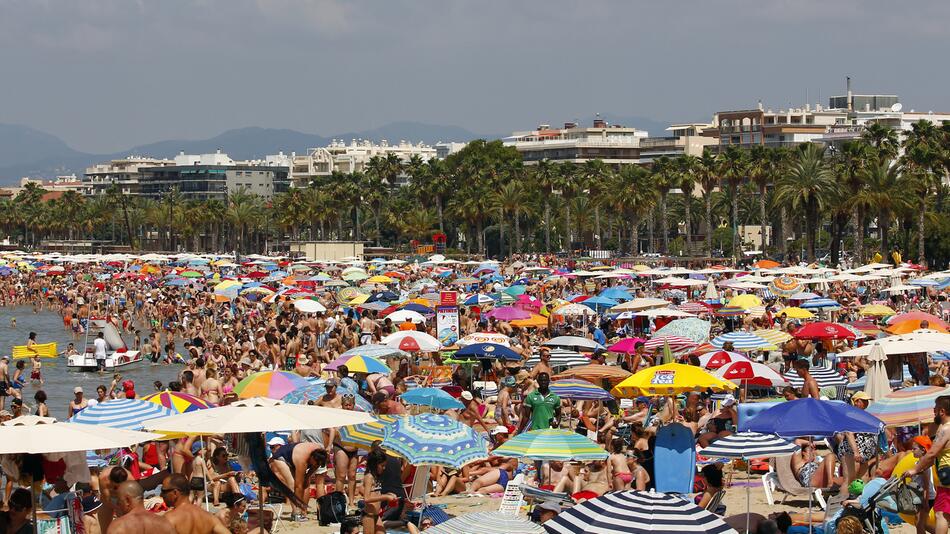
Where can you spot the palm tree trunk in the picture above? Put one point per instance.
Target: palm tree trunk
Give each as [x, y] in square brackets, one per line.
[707, 199]
[762, 216]
[651, 241]
[735, 220]
[634, 236]
[883, 223]
[481, 238]
[501, 232]
[567, 225]
[664, 227]
[597, 226]
[438, 207]
[858, 219]
[783, 226]
[810, 233]
[921, 258]
[688, 215]
[518, 233]
[547, 226]
[378, 231]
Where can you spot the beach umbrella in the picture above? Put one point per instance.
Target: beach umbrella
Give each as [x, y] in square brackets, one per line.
[535, 321]
[432, 397]
[489, 351]
[418, 306]
[690, 328]
[785, 286]
[560, 358]
[599, 303]
[877, 310]
[551, 444]
[573, 342]
[595, 374]
[359, 364]
[316, 391]
[309, 306]
[878, 384]
[670, 379]
[271, 384]
[412, 341]
[380, 279]
[616, 293]
[908, 406]
[256, 414]
[190, 274]
[674, 343]
[811, 417]
[751, 373]
[805, 295]
[744, 301]
[626, 345]
[375, 351]
[900, 344]
[478, 300]
[868, 328]
[920, 316]
[177, 282]
[508, 313]
[363, 435]
[730, 311]
[572, 309]
[742, 341]
[44, 435]
[177, 401]
[823, 376]
[637, 512]
[774, 336]
[127, 414]
[820, 303]
[638, 304]
[908, 326]
[794, 312]
[578, 389]
[487, 523]
[433, 439]
[484, 337]
[400, 316]
[823, 330]
[719, 358]
[693, 307]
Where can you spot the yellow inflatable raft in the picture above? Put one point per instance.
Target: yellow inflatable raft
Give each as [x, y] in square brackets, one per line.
[45, 350]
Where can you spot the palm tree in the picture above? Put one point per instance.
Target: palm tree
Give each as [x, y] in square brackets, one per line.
[923, 164]
[883, 139]
[687, 167]
[733, 169]
[512, 199]
[709, 180]
[545, 175]
[596, 175]
[884, 194]
[664, 177]
[808, 186]
[634, 197]
[244, 212]
[566, 183]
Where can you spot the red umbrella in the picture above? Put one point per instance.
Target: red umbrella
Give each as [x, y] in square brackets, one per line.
[257, 274]
[752, 374]
[823, 330]
[720, 358]
[409, 345]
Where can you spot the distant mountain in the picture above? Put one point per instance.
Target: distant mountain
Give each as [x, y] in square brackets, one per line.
[240, 143]
[34, 153]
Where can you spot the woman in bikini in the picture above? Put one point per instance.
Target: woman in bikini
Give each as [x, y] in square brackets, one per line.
[345, 458]
[810, 472]
[619, 470]
[495, 480]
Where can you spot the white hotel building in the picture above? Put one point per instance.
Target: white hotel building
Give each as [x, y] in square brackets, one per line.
[351, 157]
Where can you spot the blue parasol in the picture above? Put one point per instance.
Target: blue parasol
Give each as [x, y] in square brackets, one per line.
[810, 417]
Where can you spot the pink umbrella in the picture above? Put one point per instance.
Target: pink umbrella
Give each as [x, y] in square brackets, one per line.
[751, 373]
[720, 358]
[676, 343]
[508, 313]
[527, 303]
[626, 346]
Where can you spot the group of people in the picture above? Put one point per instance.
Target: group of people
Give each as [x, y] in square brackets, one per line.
[224, 340]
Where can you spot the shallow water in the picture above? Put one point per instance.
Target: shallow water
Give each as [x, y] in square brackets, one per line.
[59, 380]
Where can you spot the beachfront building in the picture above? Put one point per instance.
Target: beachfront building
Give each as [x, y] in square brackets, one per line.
[610, 143]
[351, 157]
[746, 128]
[124, 173]
[215, 176]
[682, 139]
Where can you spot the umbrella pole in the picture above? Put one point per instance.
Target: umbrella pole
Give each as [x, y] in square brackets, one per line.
[748, 496]
[33, 504]
[260, 494]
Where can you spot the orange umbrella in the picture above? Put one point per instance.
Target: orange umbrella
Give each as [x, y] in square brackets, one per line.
[920, 316]
[909, 325]
[766, 264]
[595, 373]
[534, 321]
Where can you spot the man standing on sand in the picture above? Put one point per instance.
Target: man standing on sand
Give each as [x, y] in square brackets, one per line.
[134, 518]
[810, 388]
[938, 453]
[185, 517]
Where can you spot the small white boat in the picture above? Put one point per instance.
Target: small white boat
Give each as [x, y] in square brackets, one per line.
[118, 354]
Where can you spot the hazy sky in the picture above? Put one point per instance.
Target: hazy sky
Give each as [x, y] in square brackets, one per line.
[108, 74]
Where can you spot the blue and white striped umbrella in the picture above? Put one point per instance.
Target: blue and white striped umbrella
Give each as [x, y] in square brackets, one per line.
[314, 391]
[820, 303]
[431, 439]
[637, 512]
[487, 523]
[745, 445]
[128, 414]
[823, 376]
[742, 341]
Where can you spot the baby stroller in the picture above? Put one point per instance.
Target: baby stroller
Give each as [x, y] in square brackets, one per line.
[893, 495]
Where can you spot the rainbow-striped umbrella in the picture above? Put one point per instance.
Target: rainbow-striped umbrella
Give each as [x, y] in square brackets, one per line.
[577, 389]
[364, 434]
[177, 401]
[359, 364]
[271, 384]
[432, 439]
[908, 406]
[551, 444]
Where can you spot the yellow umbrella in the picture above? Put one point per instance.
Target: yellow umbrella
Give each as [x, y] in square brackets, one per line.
[796, 313]
[773, 336]
[380, 279]
[533, 321]
[878, 310]
[745, 302]
[360, 299]
[670, 379]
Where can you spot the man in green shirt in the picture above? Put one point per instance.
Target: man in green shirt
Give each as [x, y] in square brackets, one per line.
[541, 407]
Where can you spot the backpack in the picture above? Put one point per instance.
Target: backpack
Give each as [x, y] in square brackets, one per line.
[332, 508]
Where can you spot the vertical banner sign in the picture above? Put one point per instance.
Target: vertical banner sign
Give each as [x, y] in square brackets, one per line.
[447, 324]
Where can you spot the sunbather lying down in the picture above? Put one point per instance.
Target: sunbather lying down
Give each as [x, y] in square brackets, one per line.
[812, 471]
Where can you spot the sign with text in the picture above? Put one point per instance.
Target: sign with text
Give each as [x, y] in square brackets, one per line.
[447, 324]
[448, 298]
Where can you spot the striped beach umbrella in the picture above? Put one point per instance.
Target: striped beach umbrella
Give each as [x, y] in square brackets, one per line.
[785, 286]
[577, 389]
[719, 358]
[820, 303]
[676, 343]
[314, 392]
[823, 376]
[412, 341]
[560, 358]
[773, 335]
[551, 444]
[432, 439]
[364, 434]
[177, 401]
[359, 364]
[637, 512]
[730, 311]
[487, 523]
[270, 384]
[908, 406]
[742, 341]
[693, 307]
[746, 445]
[127, 414]
[595, 374]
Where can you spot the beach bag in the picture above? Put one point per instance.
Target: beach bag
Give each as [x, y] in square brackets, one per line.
[906, 499]
[332, 508]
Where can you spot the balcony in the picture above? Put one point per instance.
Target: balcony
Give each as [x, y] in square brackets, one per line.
[739, 129]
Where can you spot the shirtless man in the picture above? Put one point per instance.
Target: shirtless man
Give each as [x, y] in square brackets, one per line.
[133, 517]
[331, 399]
[543, 366]
[188, 383]
[109, 480]
[295, 464]
[367, 327]
[186, 518]
[810, 389]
